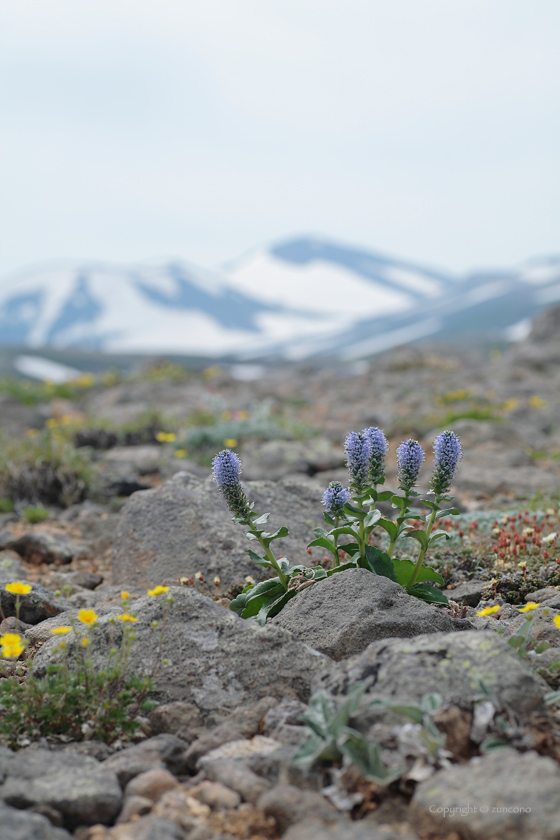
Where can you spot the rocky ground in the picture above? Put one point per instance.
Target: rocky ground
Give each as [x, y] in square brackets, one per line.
[131, 504]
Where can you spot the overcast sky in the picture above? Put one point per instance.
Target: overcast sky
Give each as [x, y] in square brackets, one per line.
[135, 129]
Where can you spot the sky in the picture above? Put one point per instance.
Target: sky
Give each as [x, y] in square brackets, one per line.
[133, 130]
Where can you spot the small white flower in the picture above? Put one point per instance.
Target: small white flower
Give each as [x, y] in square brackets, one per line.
[550, 537]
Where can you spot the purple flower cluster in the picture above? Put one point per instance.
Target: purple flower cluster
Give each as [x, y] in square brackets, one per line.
[226, 468]
[357, 448]
[378, 448]
[335, 497]
[409, 457]
[447, 454]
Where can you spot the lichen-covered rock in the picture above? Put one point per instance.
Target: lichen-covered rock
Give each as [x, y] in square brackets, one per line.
[451, 664]
[216, 659]
[184, 526]
[503, 794]
[342, 615]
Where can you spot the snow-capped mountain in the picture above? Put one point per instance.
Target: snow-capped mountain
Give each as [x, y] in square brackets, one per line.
[301, 298]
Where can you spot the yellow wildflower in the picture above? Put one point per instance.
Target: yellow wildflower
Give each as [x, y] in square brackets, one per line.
[125, 595]
[18, 588]
[166, 437]
[229, 443]
[31, 433]
[12, 645]
[489, 610]
[51, 423]
[556, 620]
[243, 415]
[158, 590]
[87, 616]
[537, 402]
[60, 631]
[126, 616]
[211, 372]
[85, 642]
[62, 645]
[530, 605]
[180, 453]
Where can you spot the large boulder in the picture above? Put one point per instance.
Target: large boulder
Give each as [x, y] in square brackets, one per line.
[24, 825]
[451, 664]
[342, 615]
[216, 660]
[275, 459]
[184, 527]
[38, 605]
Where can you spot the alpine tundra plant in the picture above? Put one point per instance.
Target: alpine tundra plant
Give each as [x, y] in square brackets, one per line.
[351, 513]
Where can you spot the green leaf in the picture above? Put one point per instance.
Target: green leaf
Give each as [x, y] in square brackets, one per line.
[428, 504]
[384, 496]
[323, 542]
[352, 510]
[256, 558]
[343, 529]
[541, 647]
[372, 518]
[515, 641]
[342, 568]
[256, 604]
[320, 711]
[328, 518]
[310, 750]
[278, 605]
[320, 532]
[349, 548]
[262, 520]
[431, 702]
[447, 512]
[419, 535]
[389, 526]
[398, 502]
[438, 535]
[427, 592]
[405, 568]
[380, 563]
[551, 697]
[492, 744]
[281, 532]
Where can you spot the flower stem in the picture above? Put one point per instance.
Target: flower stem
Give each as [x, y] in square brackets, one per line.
[270, 556]
[423, 549]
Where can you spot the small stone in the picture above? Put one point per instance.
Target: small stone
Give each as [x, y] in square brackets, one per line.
[10, 567]
[216, 796]
[162, 751]
[150, 827]
[152, 784]
[181, 809]
[235, 775]
[289, 805]
[178, 718]
[543, 594]
[469, 592]
[134, 806]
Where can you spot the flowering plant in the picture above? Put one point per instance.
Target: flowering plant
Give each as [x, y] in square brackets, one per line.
[74, 699]
[351, 513]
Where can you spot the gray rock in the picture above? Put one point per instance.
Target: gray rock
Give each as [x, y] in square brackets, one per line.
[342, 615]
[160, 752]
[216, 659]
[77, 786]
[341, 829]
[543, 594]
[24, 825]
[276, 459]
[10, 567]
[450, 664]
[289, 805]
[36, 606]
[151, 827]
[513, 796]
[178, 718]
[184, 526]
[468, 593]
[547, 666]
[235, 775]
[40, 547]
